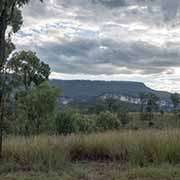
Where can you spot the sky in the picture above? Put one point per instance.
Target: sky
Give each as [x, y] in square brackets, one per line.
[129, 40]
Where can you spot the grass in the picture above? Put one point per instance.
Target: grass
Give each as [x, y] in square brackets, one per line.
[101, 171]
[160, 121]
[136, 147]
[148, 173]
[127, 155]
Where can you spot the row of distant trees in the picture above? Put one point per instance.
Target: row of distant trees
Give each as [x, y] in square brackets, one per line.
[149, 102]
[148, 107]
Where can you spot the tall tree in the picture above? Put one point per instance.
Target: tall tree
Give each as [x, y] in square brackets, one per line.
[10, 15]
[152, 106]
[175, 100]
[143, 100]
[33, 99]
[152, 103]
[28, 68]
[36, 109]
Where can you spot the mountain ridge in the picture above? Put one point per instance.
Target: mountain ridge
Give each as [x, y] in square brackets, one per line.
[78, 89]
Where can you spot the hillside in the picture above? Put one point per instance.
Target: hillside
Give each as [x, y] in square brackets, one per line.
[84, 89]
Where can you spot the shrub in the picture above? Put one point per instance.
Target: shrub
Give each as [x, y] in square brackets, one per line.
[86, 124]
[67, 122]
[124, 118]
[107, 121]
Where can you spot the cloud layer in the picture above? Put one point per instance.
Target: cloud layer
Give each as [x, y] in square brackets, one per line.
[106, 39]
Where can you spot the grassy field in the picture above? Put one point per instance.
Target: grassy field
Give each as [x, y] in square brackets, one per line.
[139, 155]
[100, 171]
[160, 121]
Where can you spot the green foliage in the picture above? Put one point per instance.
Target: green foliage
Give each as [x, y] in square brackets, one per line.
[67, 122]
[88, 90]
[135, 147]
[143, 99]
[10, 16]
[152, 106]
[175, 98]
[124, 118]
[162, 112]
[87, 124]
[10, 11]
[152, 103]
[27, 66]
[16, 20]
[107, 121]
[36, 109]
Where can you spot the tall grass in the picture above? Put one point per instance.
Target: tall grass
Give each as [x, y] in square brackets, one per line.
[136, 147]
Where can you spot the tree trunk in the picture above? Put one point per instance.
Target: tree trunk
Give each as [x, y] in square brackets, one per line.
[3, 27]
[1, 125]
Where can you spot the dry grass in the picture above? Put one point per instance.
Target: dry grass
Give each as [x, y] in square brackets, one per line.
[126, 155]
[136, 147]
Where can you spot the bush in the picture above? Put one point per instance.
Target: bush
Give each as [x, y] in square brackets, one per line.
[107, 121]
[67, 122]
[124, 118]
[86, 124]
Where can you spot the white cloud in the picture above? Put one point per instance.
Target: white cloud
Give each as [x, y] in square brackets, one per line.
[135, 40]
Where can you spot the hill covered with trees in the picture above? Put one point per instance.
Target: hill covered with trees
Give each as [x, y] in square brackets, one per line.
[86, 90]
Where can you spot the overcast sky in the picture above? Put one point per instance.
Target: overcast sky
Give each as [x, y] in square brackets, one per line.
[134, 40]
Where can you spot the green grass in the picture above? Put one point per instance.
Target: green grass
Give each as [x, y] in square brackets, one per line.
[126, 155]
[101, 171]
[135, 147]
[69, 175]
[160, 121]
[148, 173]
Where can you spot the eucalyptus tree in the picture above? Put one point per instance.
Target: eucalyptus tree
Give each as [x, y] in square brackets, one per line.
[36, 100]
[152, 105]
[36, 109]
[10, 16]
[143, 100]
[175, 98]
[28, 68]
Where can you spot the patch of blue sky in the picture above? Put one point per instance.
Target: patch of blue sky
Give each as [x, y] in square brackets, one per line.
[30, 32]
[87, 33]
[39, 30]
[72, 30]
[24, 34]
[60, 25]
[79, 31]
